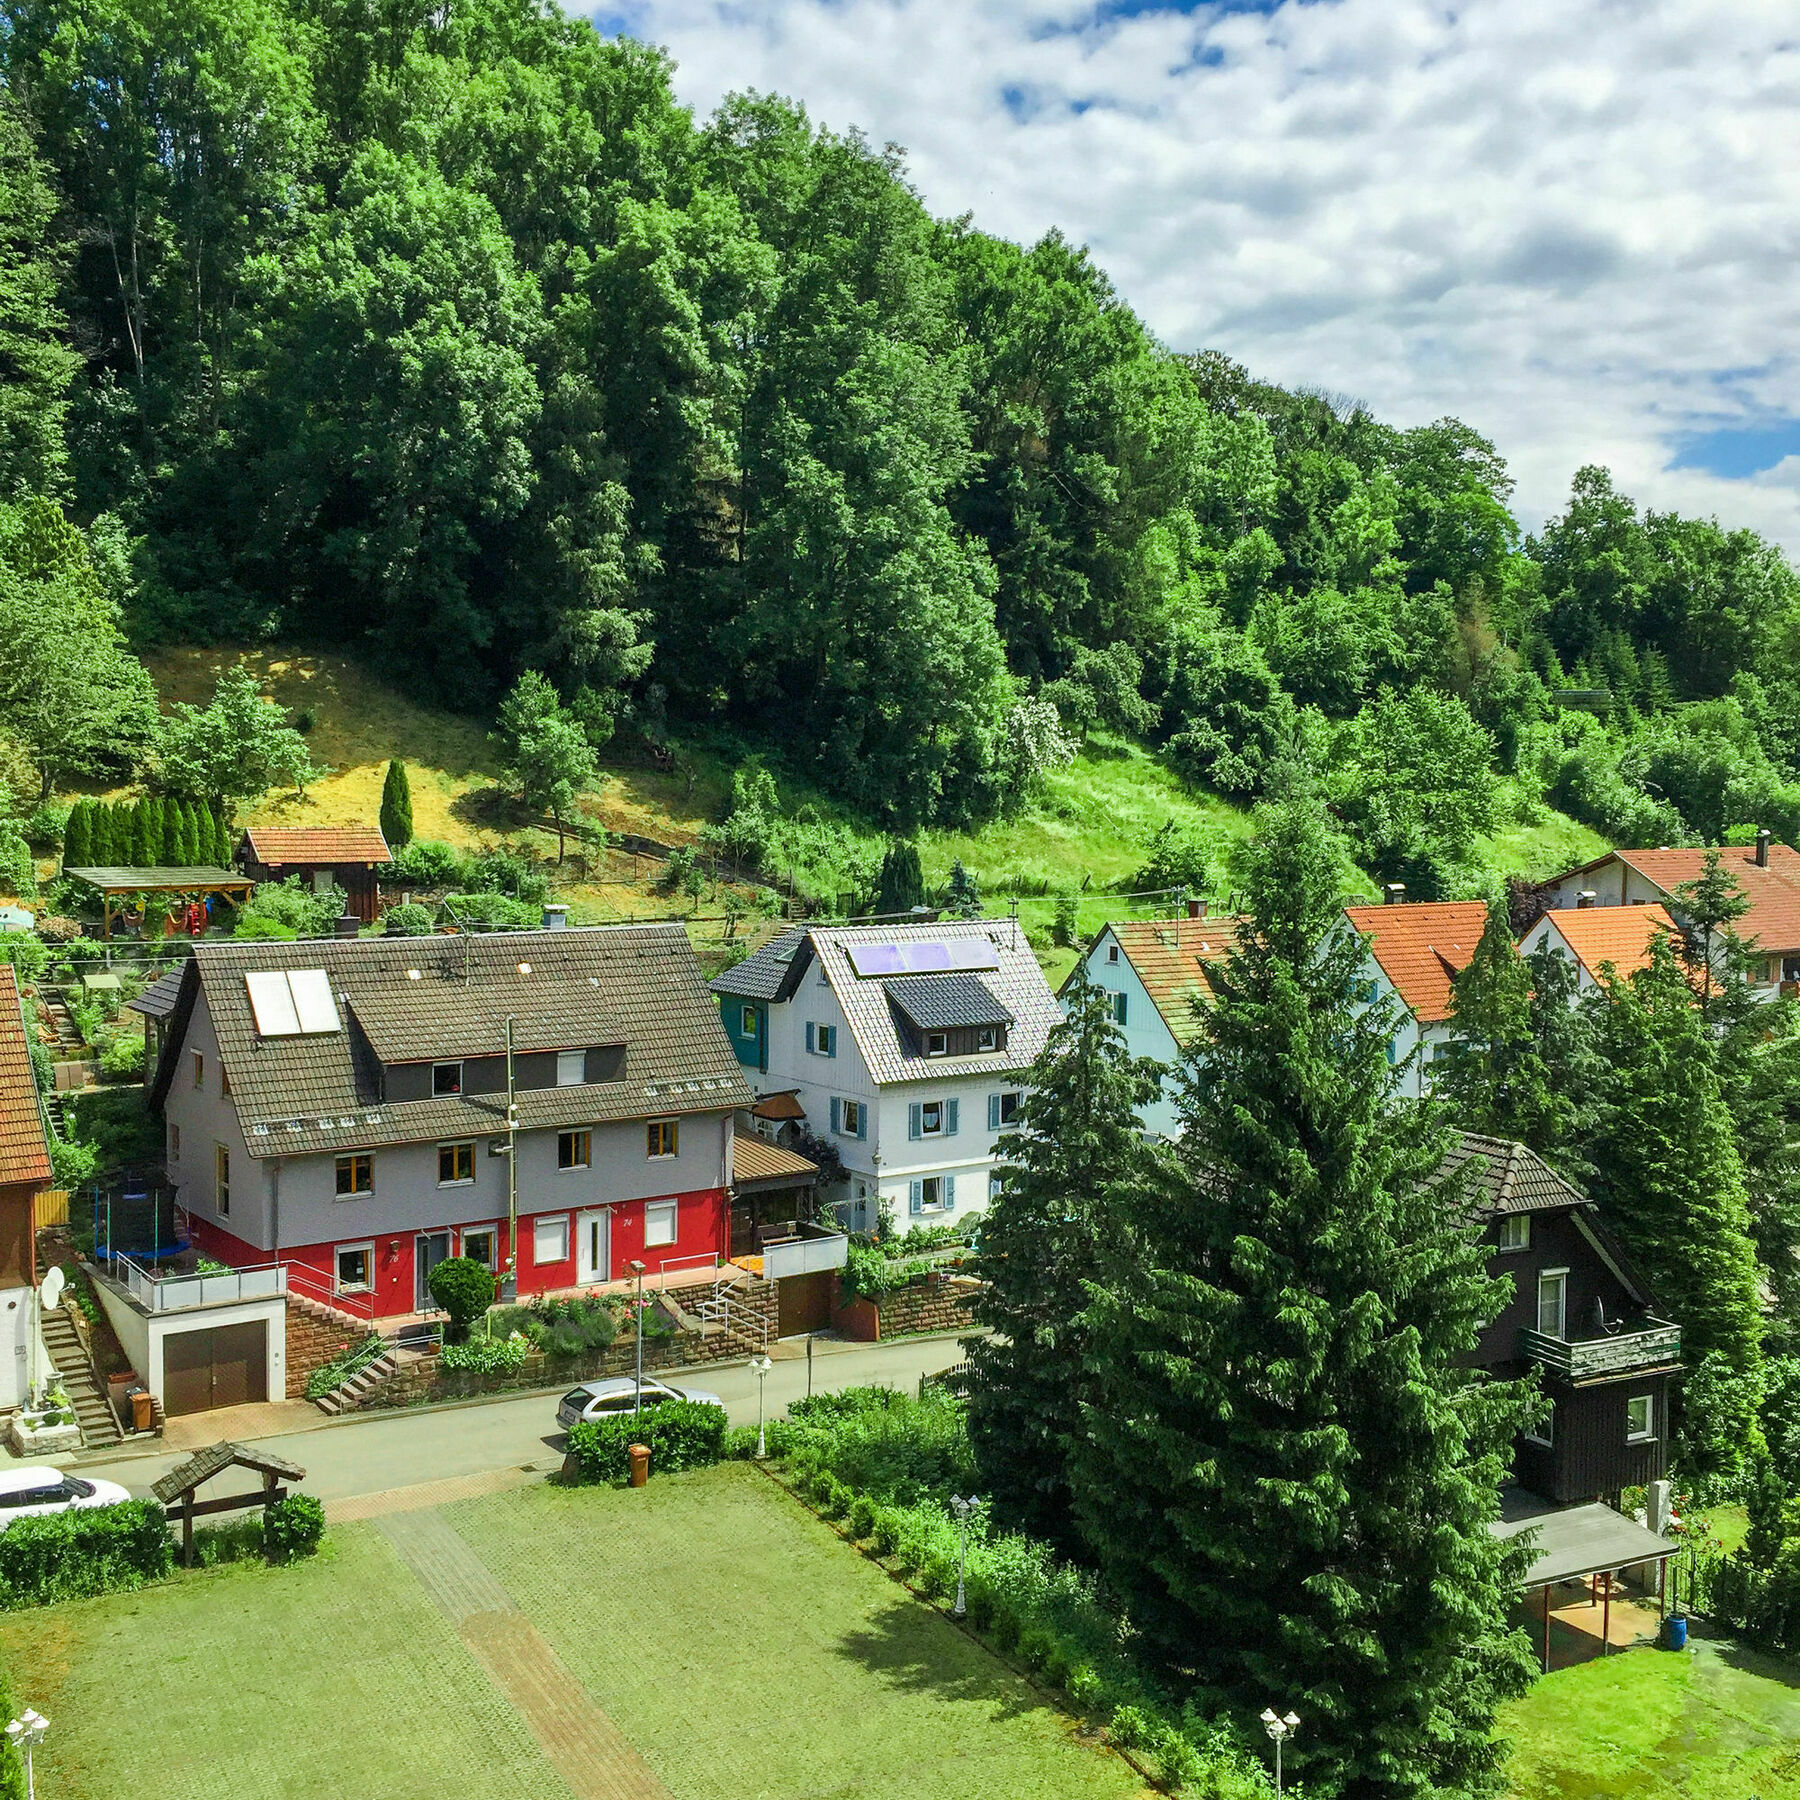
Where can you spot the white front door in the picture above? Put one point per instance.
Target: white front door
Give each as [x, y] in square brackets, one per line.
[593, 1247]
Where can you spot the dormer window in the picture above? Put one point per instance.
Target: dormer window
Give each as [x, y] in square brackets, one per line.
[446, 1079]
[987, 1037]
[571, 1068]
[937, 1043]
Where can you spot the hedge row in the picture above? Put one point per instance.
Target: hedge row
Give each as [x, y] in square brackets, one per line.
[87, 1550]
[682, 1434]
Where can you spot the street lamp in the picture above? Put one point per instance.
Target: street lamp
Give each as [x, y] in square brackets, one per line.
[962, 1508]
[762, 1365]
[1280, 1730]
[637, 1401]
[25, 1734]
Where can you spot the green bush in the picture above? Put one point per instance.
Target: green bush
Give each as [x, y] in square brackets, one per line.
[1004, 1628]
[682, 1434]
[885, 1535]
[937, 1576]
[257, 927]
[424, 863]
[27, 954]
[122, 1053]
[92, 1550]
[486, 1355]
[292, 1528]
[409, 919]
[464, 1288]
[861, 1517]
[1085, 1686]
[1131, 1727]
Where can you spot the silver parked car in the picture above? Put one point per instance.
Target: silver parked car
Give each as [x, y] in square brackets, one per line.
[607, 1399]
[39, 1489]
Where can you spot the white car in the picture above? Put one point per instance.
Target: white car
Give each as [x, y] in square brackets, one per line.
[607, 1399]
[38, 1489]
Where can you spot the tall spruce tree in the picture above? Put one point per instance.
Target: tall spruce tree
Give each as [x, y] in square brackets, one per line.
[146, 837]
[901, 885]
[1075, 1139]
[1709, 908]
[170, 810]
[396, 806]
[78, 836]
[190, 835]
[1285, 1469]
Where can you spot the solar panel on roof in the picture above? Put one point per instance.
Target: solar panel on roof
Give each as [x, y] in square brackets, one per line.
[272, 1004]
[311, 989]
[928, 956]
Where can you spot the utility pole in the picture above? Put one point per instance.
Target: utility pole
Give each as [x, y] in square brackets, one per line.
[512, 1173]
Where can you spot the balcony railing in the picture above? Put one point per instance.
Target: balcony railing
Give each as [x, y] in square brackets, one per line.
[802, 1249]
[1647, 1345]
[165, 1293]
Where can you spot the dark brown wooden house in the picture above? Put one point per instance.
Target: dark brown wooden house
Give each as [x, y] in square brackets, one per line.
[1583, 1318]
[346, 856]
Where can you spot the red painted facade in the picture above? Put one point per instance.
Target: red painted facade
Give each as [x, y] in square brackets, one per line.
[701, 1226]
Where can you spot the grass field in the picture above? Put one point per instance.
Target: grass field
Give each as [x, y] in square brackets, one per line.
[1721, 1723]
[740, 1648]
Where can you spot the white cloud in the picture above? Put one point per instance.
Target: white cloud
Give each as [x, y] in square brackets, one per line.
[1570, 222]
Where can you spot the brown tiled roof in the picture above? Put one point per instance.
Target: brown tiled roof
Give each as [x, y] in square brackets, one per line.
[1421, 947]
[1620, 935]
[754, 1160]
[1773, 921]
[1171, 958]
[275, 845]
[779, 1106]
[24, 1157]
[638, 985]
[1505, 1177]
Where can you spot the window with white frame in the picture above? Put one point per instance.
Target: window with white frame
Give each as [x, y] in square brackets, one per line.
[1640, 1419]
[1003, 1110]
[1112, 953]
[1552, 1301]
[931, 1192]
[987, 1037]
[1515, 1232]
[478, 1244]
[851, 1118]
[937, 1043]
[931, 1118]
[446, 1078]
[821, 1040]
[550, 1239]
[355, 1266]
[1543, 1431]
[750, 1022]
[659, 1223]
[199, 1070]
[571, 1068]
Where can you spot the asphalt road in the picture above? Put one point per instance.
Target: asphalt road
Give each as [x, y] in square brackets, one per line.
[371, 1452]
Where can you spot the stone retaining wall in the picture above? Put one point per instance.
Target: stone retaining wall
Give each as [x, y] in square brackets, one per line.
[315, 1338]
[933, 1302]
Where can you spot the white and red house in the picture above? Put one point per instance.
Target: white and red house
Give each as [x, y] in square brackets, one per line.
[340, 1107]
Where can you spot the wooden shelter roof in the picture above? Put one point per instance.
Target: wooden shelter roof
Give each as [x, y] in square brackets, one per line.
[160, 880]
[215, 1460]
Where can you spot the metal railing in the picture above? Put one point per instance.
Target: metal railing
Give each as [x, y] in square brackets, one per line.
[1656, 1341]
[310, 1284]
[167, 1293]
[708, 1261]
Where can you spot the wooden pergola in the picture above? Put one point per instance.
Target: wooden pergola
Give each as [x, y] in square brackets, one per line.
[176, 1489]
[114, 884]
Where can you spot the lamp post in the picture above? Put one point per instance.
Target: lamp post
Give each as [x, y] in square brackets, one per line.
[762, 1365]
[25, 1734]
[962, 1508]
[1280, 1730]
[637, 1400]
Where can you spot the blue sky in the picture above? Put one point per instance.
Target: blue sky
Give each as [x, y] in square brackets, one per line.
[1572, 223]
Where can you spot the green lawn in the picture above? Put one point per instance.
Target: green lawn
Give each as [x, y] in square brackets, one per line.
[1719, 1724]
[736, 1641]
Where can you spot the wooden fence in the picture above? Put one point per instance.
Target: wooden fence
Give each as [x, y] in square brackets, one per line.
[51, 1207]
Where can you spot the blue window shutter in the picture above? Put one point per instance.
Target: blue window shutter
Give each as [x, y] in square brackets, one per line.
[951, 1109]
[914, 1124]
[1120, 1006]
[811, 1036]
[949, 1193]
[993, 1112]
[915, 1201]
[837, 1110]
[862, 1119]
[829, 1033]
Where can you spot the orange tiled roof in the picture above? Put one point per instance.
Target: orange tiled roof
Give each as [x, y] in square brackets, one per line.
[278, 844]
[1170, 957]
[24, 1159]
[1620, 935]
[1773, 921]
[782, 1105]
[1421, 947]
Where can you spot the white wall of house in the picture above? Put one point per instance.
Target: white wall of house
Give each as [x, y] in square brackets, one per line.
[142, 1334]
[1409, 1036]
[1613, 883]
[198, 1117]
[18, 1338]
[1146, 1031]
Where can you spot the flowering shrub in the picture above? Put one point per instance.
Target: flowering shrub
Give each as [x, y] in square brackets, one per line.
[486, 1356]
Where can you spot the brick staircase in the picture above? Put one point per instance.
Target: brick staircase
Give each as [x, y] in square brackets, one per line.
[348, 1395]
[316, 1334]
[98, 1426]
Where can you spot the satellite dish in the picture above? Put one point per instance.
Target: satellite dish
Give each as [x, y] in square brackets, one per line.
[50, 1289]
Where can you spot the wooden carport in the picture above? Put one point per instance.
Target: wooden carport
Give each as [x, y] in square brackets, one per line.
[114, 884]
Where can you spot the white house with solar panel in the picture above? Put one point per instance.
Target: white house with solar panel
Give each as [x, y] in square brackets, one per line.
[904, 1047]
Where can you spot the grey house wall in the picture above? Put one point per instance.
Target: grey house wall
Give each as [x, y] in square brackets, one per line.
[206, 1117]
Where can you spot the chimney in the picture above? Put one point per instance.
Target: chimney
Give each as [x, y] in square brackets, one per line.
[556, 918]
[1394, 894]
[1762, 848]
[346, 925]
[1585, 899]
[1196, 909]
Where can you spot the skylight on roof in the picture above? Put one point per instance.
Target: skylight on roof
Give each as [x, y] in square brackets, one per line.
[292, 1002]
[929, 956]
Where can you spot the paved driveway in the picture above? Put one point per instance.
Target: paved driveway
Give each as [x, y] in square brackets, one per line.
[371, 1452]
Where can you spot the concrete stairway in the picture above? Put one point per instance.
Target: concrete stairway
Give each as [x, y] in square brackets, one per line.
[351, 1393]
[98, 1426]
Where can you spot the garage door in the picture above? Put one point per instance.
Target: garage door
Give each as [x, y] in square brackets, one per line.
[225, 1366]
[804, 1302]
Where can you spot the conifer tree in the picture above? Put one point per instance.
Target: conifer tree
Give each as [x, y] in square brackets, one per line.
[190, 835]
[145, 838]
[78, 839]
[1709, 908]
[902, 881]
[170, 808]
[396, 806]
[219, 851]
[1076, 1137]
[1285, 1470]
[100, 836]
[962, 900]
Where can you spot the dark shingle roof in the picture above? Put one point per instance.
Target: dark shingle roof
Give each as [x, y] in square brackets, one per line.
[946, 1002]
[1505, 1177]
[761, 974]
[638, 985]
[157, 1001]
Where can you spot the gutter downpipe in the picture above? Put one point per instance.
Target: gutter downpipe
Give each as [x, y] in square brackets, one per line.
[512, 1176]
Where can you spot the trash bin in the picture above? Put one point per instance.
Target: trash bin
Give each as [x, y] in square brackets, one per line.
[640, 1463]
[1675, 1632]
[140, 1409]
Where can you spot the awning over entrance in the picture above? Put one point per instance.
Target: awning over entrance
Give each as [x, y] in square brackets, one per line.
[756, 1164]
[1574, 1542]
